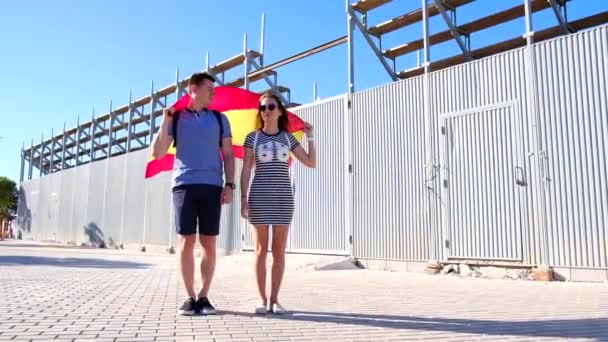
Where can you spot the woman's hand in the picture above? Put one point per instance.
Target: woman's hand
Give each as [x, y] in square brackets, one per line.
[308, 129]
[244, 208]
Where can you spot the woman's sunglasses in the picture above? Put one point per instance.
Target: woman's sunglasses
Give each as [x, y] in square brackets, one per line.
[270, 107]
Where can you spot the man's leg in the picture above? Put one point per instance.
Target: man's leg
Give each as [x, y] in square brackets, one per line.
[185, 225]
[209, 214]
[186, 262]
[207, 263]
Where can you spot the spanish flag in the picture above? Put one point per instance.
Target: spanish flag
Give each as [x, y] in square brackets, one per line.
[241, 108]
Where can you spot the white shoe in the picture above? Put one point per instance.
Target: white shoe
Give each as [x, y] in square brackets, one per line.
[261, 310]
[278, 309]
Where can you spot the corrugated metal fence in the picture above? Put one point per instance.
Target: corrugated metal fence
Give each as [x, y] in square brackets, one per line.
[510, 164]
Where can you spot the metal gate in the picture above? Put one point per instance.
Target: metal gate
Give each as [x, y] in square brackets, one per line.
[481, 171]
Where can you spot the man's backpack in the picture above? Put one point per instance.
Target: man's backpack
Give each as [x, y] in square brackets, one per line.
[218, 117]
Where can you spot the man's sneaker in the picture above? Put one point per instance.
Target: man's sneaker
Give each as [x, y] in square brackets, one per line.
[188, 308]
[205, 307]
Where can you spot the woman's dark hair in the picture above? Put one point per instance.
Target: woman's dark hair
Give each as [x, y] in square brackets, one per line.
[283, 119]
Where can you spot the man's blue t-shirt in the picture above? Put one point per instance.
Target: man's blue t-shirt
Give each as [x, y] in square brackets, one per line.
[197, 158]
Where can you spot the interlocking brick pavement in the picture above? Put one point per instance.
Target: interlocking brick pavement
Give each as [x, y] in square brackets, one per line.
[69, 294]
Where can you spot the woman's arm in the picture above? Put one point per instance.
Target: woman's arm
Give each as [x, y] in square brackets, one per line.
[307, 158]
[248, 161]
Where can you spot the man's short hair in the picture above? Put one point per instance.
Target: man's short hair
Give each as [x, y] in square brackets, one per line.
[199, 77]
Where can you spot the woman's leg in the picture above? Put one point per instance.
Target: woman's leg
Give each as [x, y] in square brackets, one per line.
[279, 244]
[260, 236]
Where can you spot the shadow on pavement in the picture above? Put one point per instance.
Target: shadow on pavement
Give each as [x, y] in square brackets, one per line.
[566, 328]
[49, 245]
[14, 260]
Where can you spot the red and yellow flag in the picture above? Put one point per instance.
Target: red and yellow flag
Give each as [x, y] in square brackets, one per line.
[241, 108]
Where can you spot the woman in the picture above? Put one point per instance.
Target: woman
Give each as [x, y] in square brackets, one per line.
[270, 200]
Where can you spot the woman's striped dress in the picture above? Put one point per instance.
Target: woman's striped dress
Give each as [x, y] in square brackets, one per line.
[270, 196]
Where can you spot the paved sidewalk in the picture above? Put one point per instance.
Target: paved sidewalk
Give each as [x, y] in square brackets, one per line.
[69, 294]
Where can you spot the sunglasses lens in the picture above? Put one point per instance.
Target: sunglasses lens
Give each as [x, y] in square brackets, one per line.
[271, 106]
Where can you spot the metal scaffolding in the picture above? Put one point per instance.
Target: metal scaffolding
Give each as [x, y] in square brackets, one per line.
[357, 17]
[131, 127]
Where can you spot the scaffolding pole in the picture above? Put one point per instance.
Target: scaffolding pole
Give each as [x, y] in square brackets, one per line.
[21, 172]
[350, 29]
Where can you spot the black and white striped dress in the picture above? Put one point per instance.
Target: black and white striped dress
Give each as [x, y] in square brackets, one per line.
[270, 196]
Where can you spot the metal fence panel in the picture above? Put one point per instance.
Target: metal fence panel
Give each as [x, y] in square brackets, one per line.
[134, 199]
[573, 95]
[232, 225]
[80, 220]
[27, 209]
[66, 206]
[481, 171]
[158, 223]
[94, 230]
[388, 152]
[319, 224]
[113, 199]
[483, 83]
[54, 200]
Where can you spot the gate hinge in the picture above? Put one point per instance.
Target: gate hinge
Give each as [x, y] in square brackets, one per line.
[447, 243]
[443, 130]
[350, 239]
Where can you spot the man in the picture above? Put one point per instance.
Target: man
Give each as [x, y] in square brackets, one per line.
[198, 188]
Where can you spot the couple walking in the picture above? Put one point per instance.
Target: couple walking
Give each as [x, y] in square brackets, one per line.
[202, 182]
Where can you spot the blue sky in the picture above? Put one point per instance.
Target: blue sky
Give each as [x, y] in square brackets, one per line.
[61, 58]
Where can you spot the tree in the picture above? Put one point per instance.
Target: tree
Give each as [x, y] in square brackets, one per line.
[8, 198]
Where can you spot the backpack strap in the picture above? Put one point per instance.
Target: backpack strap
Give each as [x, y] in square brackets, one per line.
[174, 126]
[218, 117]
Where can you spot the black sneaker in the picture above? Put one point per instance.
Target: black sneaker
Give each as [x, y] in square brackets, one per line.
[188, 308]
[204, 306]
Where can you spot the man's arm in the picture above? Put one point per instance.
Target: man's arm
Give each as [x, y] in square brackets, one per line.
[162, 141]
[228, 193]
[228, 159]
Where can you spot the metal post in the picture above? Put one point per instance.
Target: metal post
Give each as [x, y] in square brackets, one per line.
[78, 141]
[207, 61]
[246, 63]
[425, 33]
[563, 23]
[21, 173]
[41, 154]
[52, 151]
[130, 122]
[314, 92]
[262, 39]
[451, 22]
[178, 88]
[539, 153]
[529, 33]
[92, 135]
[31, 166]
[110, 133]
[63, 148]
[350, 238]
[152, 109]
[350, 30]
[429, 160]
